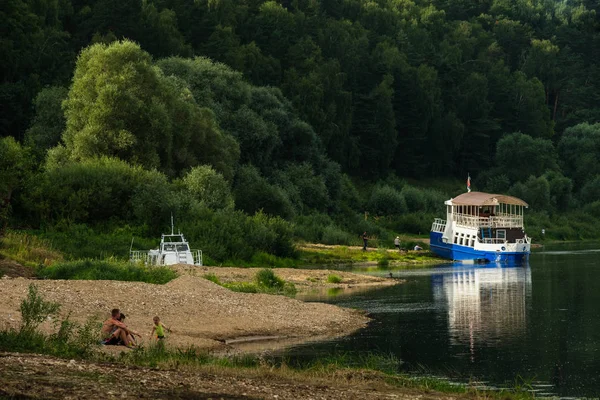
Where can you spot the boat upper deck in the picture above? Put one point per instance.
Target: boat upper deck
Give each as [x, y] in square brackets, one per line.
[486, 210]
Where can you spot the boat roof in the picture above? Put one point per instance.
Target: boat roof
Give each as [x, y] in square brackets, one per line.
[486, 199]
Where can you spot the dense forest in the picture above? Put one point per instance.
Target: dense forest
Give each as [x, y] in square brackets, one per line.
[257, 123]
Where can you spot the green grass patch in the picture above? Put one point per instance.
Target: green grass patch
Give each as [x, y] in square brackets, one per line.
[332, 278]
[106, 270]
[314, 255]
[212, 277]
[265, 281]
[28, 249]
[243, 287]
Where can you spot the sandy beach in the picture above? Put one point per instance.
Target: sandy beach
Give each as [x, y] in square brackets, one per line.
[201, 313]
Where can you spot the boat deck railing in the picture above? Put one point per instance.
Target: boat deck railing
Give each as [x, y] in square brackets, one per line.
[439, 225]
[153, 258]
[496, 221]
[526, 240]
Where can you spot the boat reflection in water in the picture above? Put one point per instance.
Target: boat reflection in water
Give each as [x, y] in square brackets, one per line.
[486, 304]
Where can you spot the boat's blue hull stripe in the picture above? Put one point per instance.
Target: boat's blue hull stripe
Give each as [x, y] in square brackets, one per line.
[457, 252]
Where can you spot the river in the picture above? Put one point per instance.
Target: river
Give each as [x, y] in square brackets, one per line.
[536, 325]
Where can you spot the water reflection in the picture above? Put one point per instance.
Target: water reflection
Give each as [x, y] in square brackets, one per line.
[484, 304]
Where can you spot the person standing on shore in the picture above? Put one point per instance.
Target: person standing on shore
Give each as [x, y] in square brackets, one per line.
[159, 329]
[397, 243]
[365, 240]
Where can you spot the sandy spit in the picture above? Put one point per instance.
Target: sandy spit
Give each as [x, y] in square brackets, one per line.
[199, 312]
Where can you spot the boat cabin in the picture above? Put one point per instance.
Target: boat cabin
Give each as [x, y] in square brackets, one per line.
[173, 249]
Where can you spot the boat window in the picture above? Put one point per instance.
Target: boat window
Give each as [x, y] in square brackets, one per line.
[173, 238]
[182, 247]
[456, 238]
[501, 234]
[169, 247]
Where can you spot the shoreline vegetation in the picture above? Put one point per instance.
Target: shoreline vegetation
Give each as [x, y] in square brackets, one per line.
[33, 251]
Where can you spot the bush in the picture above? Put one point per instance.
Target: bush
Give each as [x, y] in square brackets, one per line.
[415, 199]
[98, 190]
[252, 193]
[78, 241]
[310, 227]
[209, 187]
[267, 278]
[232, 235]
[385, 200]
[334, 235]
[334, 278]
[417, 223]
[107, 270]
[71, 339]
[35, 310]
[268, 282]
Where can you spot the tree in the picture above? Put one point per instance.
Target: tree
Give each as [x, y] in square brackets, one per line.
[254, 193]
[579, 150]
[49, 122]
[15, 165]
[121, 105]
[375, 126]
[520, 156]
[209, 187]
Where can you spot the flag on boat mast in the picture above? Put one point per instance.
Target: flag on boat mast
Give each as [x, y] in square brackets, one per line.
[468, 183]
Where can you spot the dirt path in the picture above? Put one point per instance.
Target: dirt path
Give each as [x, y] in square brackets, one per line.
[40, 377]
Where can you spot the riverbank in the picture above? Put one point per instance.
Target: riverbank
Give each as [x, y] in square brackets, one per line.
[53, 378]
[201, 313]
[315, 254]
[303, 279]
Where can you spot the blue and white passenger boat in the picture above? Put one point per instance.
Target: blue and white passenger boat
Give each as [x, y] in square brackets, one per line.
[482, 227]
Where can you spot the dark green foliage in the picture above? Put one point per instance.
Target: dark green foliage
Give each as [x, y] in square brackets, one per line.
[106, 270]
[48, 124]
[519, 156]
[295, 104]
[579, 150]
[385, 200]
[15, 166]
[233, 235]
[253, 193]
[97, 190]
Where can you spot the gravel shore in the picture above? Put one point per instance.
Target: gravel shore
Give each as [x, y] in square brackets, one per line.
[199, 312]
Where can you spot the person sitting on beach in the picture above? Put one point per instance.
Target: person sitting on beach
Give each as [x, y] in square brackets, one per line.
[159, 329]
[130, 336]
[115, 332]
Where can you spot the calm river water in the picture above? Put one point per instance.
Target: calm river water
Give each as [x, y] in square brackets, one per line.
[537, 324]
